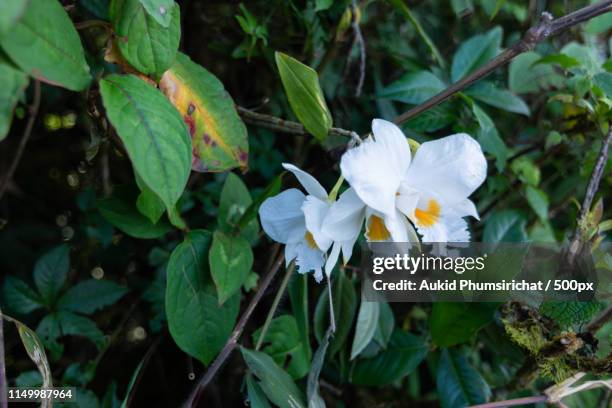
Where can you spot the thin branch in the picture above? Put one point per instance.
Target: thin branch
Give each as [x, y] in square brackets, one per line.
[275, 303]
[33, 109]
[358, 40]
[287, 126]
[545, 28]
[598, 322]
[232, 342]
[578, 237]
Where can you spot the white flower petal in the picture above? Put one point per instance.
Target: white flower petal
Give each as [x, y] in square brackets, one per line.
[457, 230]
[347, 249]
[332, 258]
[406, 200]
[310, 259]
[451, 167]
[391, 136]
[345, 217]
[310, 184]
[291, 252]
[282, 217]
[374, 182]
[315, 210]
[434, 233]
[464, 208]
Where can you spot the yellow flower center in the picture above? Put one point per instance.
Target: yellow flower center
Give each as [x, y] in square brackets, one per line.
[310, 240]
[428, 216]
[376, 230]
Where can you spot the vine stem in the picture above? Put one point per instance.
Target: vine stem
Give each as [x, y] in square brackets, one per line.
[24, 139]
[232, 342]
[546, 27]
[275, 303]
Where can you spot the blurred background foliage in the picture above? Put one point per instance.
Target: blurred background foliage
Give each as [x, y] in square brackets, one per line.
[540, 120]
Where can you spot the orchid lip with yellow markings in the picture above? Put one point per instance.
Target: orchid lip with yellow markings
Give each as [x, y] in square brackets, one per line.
[377, 231]
[429, 216]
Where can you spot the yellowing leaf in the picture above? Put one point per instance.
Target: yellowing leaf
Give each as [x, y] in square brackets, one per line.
[218, 135]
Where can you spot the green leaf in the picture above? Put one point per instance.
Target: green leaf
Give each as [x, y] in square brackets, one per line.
[322, 5]
[298, 295]
[604, 82]
[433, 119]
[305, 96]
[19, 297]
[570, 313]
[312, 386]
[230, 259]
[526, 170]
[404, 354]
[538, 200]
[218, 134]
[367, 323]
[459, 384]
[235, 200]
[257, 398]
[462, 8]
[283, 342]
[146, 44]
[475, 52]
[90, 295]
[45, 44]
[36, 352]
[564, 61]
[599, 24]
[413, 88]
[505, 226]
[10, 13]
[120, 211]
[525, 75]
[275, 383]
[197, 323]
[500, 98]
[14, 82]
[489, 138]
[386, 325]
[48, 330]
[74, 325]
[51, 271]
[152, 132]
[160, 10]
[454, 323]
[132, 382]
[588, 56]
[148, 203]
[344, 305]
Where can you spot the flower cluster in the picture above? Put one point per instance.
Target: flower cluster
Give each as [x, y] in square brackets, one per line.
[390, 191]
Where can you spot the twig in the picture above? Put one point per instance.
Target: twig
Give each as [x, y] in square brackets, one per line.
[358, 40]
[3, 383]
[287, 126]
[598, 322]
[33, 108]
[232, 342]
[578, 237]
[545, 28]
[512, 402]
[275, 302]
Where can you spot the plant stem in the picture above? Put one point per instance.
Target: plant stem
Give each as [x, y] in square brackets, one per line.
[513, 402]
[275, 302]
[232, 342]
[33, 109]
[545, 28]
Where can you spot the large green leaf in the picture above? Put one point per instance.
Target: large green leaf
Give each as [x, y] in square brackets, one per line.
[91, 295]
[148, 203]
[604, 81]
[71, 324]
[413, 88]
[45, 44]
[505, 226]
[19, 297]
[305, 96]
[459, 384]
[433, 119]
[235, 200]
[489, 138]
[475, 52]
[152, 132]
[119, 210]
[284, 343]
[500, 98]
[146, 44]
[344, 305]
[312, 385]
[257, 398]
[10, 12]
[404, 353]
[367, 324]
[218, 134]
[230, 259]
[197, 323]
[454, 323]
[386, 325]
[275, 383]
[51, 272]
[298, 295]
[14, 83]
[538, 200]
[160, 10]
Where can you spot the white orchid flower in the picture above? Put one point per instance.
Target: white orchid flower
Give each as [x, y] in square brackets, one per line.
[296, 220]
[431, 191]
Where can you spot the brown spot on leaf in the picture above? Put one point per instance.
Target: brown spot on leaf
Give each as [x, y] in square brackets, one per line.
[190, 109]
[207, 139]
[190, 125]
